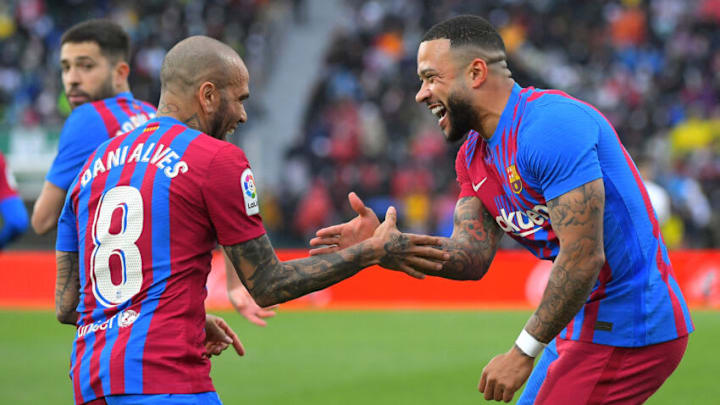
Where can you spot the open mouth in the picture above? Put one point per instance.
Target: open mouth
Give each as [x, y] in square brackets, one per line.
[439, 111]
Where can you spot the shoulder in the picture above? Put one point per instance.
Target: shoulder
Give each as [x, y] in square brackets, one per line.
[84, 114]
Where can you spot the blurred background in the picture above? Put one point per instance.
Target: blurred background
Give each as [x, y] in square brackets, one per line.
[332, 105]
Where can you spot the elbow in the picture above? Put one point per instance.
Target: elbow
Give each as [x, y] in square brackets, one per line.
[69, 318]
[41, 225]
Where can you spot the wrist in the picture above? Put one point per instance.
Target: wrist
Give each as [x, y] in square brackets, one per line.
[528, 345]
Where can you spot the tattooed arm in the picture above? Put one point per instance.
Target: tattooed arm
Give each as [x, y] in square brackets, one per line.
[577, 219]
[67, 287]
[471, 247]
[473, 243]
[271, 281]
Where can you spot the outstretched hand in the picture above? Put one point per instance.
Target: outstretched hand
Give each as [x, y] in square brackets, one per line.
[406, 252]
[219, 336]
[336, 237]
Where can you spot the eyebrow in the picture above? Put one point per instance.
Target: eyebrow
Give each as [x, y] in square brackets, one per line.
[424, 72]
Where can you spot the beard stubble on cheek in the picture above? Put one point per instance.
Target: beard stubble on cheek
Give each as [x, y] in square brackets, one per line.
[216, 129]
[462, 118]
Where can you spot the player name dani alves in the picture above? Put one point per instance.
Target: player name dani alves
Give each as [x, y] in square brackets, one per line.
[159, 155]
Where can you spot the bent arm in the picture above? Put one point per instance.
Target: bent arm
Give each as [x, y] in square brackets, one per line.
[271, 281]
[577, 219]
[473, 243]
[47, 208]
[67, 287]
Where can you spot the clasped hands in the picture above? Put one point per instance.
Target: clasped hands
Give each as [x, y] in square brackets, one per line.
[410, 253]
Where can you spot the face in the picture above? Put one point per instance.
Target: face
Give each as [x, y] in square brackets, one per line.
[87, 75]
[230, 112]
[443, 91]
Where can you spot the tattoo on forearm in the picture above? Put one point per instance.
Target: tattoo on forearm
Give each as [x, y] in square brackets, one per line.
[473, 243]
[577, 219]
[271, 281]
[67, 287]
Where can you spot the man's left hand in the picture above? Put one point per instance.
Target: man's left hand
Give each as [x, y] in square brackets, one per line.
[505, 374]
[219, 336]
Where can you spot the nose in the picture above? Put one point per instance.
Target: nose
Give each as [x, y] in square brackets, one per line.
[72, 77]
[422, 94]
[243, 114]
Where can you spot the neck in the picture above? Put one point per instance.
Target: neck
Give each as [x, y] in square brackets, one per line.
[123, 88]
[497, 97]
[171, 107]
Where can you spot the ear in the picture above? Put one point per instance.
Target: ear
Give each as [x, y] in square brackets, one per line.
[208, 97]
[478, 72]
[121, 73]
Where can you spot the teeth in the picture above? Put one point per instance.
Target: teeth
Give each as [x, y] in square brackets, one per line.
[439, 111]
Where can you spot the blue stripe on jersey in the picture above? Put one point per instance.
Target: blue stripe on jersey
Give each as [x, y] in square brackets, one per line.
[160, 261]
[83, 201]
[111, 334]
[136, 341]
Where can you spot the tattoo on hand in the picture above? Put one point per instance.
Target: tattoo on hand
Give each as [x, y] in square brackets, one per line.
[394, 251]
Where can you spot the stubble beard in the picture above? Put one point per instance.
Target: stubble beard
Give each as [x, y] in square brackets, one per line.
[462, 117]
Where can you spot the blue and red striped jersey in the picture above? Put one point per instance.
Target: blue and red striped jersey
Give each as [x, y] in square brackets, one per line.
[547, 144]
[88, 126]
[144, 214]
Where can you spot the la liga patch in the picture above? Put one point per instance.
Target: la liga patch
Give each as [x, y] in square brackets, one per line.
[247, 182]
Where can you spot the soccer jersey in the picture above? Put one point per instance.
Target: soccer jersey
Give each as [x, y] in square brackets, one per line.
[12, 211]
[144, 214]
[547, 144]
[88, 126]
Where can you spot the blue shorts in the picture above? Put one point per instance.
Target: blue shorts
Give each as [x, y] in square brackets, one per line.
[202, 398]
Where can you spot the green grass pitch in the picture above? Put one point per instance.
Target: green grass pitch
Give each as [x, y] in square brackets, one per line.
[373, 357]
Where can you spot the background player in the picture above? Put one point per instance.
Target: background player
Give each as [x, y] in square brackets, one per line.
[13, 217]
[140, 223]
[549, 171]
[94, 59]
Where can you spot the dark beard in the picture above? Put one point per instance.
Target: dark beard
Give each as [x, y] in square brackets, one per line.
[462, 118]
[216, 124]
[106, 91]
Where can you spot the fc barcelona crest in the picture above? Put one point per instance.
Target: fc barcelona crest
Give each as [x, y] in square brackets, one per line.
[514, 179]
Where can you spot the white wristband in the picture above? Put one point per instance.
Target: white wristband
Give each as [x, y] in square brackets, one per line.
[528, 344]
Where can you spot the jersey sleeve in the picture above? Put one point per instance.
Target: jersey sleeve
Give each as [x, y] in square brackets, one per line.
[83, 132]
[463, 178]
[67, 233]
[231, 197]
[559, 150]
[7, 181]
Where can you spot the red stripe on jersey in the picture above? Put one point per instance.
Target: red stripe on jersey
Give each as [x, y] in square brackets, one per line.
[665, 272]
[591, 308]
[125, 106]
[111, 123]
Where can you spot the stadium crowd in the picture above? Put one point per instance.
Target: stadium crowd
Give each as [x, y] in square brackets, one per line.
[651, 66]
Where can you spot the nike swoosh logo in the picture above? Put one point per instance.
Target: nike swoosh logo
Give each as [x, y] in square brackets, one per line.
[476, 187]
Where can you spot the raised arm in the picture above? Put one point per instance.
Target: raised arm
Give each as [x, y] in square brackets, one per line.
[271, 281]
[67, 287]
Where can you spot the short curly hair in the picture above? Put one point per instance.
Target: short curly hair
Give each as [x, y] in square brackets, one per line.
[467, 30]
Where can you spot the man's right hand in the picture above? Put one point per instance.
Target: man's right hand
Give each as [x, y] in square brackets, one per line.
[407, 252]
[336, 237]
